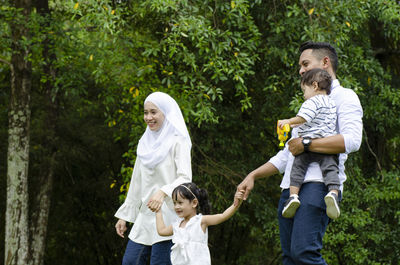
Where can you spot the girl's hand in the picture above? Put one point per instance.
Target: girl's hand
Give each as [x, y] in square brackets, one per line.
[156, 201]
[120, 226]
[239, 196]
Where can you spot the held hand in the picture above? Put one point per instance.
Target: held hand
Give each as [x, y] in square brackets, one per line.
[245, 186]
[120, 227]
[156, 201]
[238, 197]
[296, 146]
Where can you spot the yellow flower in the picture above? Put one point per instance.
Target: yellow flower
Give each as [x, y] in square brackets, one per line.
[113, 184]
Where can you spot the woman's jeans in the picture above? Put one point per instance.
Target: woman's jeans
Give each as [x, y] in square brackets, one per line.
[138, 254]
[301, 236]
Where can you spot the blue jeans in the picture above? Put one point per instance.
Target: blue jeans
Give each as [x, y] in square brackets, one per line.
[301, 236]
[138, 254]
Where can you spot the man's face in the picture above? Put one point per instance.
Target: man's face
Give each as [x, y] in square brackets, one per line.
[308, 61]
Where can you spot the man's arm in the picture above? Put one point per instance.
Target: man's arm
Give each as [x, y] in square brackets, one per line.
[266, 170]
[328, 145]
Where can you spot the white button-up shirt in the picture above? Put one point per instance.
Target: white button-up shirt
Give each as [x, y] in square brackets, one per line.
[349, 125]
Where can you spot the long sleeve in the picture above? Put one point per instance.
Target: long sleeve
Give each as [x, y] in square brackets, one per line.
[130, 208]
[182, 160]
[350, 124]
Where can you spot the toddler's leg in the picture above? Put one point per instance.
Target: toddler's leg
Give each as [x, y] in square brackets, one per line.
[297, 174]
[292, 203]
[330, 171]
[332, 204]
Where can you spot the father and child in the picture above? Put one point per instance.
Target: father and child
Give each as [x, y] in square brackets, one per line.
[315, 119]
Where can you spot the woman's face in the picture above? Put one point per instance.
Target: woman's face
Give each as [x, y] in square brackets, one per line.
[153, 116]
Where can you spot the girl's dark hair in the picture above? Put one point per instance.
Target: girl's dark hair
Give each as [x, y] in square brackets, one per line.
[201, 195]
[322, 77]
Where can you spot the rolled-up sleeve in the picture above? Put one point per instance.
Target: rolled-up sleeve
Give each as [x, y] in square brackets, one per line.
[280, 159]
[350, 123]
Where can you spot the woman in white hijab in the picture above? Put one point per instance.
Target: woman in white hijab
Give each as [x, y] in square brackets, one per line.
[163, 162]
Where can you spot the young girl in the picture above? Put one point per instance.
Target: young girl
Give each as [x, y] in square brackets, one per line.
[190, 234]
[162, 163]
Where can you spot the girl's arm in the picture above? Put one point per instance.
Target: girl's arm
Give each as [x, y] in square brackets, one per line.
[161, 228]
[215, 219]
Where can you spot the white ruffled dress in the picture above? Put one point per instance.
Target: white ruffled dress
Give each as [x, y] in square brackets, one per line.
[190, 243]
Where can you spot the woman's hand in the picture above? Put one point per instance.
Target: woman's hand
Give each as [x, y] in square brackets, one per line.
[156, 201]
[120, 226]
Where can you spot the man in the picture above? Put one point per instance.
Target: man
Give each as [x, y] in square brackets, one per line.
[301, 236]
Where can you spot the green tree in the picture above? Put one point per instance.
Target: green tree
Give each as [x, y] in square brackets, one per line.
[19, 115]
[232, 67]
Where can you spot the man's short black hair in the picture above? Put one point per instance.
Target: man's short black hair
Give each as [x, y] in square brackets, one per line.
[322, 49]
[322, 77]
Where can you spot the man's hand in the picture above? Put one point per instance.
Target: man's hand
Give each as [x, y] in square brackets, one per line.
[245, 186]
[296, 146]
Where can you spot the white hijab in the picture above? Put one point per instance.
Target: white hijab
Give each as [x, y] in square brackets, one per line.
[154, 146]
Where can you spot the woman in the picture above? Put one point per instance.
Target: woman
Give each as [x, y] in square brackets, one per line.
[162, 163]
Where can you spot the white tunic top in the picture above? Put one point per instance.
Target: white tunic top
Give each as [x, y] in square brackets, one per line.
[174, 170]
[190, 246]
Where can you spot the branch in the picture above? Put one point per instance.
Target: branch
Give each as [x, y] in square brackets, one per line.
[11, 69]
[218, 168]
[373, 153]
[6, 62]
[383, 51]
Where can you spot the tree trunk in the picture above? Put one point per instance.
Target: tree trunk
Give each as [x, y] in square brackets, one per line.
[40, 216]
[43, 181]
[16, 230]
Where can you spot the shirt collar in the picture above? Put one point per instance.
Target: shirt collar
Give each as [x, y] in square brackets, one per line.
[335, 84]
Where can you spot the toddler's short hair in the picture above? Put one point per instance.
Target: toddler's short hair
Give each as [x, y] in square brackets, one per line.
[322, 77]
